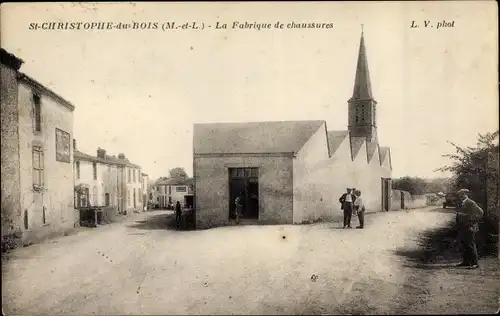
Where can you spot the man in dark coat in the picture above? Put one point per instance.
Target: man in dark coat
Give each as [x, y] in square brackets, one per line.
[346, 204]
[178, 213]
[468, 216]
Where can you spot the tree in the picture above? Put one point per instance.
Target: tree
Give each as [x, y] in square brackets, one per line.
[415, 186]
[438, 185]
[471, 171]
[178, 173]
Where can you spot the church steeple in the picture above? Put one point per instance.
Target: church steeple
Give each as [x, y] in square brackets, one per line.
[362, 105]
[362, 84]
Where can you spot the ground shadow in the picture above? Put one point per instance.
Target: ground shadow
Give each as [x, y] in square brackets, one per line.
[438, 248]
[443, 210]
[163, 222]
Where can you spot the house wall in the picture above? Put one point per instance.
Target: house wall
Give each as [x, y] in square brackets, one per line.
[212, 188]
[12, 219]
[87, 178]
[160, 195]
[178, 196]
[319, 180]
[57, 195]
[144, 188]
[133, 185]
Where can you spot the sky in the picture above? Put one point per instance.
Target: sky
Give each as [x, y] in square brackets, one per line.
[139, 92]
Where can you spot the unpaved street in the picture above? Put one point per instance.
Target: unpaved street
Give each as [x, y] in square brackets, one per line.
[140, 267]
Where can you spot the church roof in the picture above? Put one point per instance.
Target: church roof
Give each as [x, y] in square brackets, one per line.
[383, 151]
[253, 137]
[371, 147]
[362, 84]
[335, 138]
[356, 144]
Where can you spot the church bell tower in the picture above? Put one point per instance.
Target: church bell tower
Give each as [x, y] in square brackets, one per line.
[362, 106]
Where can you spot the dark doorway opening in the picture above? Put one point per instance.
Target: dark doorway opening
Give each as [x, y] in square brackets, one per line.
[244, 182]
[386, 193]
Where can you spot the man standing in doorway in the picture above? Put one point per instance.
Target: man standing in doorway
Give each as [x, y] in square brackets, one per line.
[468, 216]
[346, 201]
[238, 203]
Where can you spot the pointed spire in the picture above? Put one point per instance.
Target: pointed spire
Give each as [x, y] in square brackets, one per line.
[362, 83]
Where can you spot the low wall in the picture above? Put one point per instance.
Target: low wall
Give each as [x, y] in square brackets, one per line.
[416, 201]
[404, 200]
[395, 200]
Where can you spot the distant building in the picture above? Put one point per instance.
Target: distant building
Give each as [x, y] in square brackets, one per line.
[295, 171]
[145, 191]
[169, 191]
[104, 180]
[36, 156]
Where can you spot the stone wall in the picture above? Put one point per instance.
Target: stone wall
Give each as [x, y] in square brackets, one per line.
[10, 178]
[396, 199]
[212, 188]
[50, 209]
[320, 179]
[416, 201]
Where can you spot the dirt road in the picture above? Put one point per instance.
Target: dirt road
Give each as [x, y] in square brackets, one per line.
[140, 267]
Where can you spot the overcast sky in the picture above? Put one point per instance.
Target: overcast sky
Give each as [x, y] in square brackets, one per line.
[140, 91]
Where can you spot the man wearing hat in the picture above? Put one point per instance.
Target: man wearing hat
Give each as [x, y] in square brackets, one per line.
[468, 216]
[346, 204]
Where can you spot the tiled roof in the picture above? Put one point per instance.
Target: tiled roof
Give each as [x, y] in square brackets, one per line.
[371, 147]
[110, 160]
[335, 138]
[356, 144]
[43, 89]
[253, 137]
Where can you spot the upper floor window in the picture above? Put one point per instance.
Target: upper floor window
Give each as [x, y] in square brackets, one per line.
[37, 113]
[180, 189]
[94, 168]
[129, 177]
[77, 164]
[134, 175]
[38, 166]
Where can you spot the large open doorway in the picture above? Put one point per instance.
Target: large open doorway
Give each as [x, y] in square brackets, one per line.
[244, 182]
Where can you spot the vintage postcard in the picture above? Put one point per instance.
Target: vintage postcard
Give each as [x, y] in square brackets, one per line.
[292, 158]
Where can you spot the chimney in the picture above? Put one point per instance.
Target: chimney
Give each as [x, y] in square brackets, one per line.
[121, 156]
[74, 144]
[101, 153]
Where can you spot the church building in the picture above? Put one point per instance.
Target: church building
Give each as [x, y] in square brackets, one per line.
[291, 171]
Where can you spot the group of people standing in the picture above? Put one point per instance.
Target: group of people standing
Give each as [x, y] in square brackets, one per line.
[352, 204]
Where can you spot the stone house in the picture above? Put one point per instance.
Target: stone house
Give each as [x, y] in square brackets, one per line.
[169, 191]
[109, 181]
[292, 171]
[36, 156]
